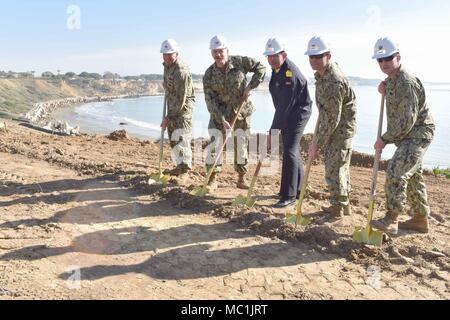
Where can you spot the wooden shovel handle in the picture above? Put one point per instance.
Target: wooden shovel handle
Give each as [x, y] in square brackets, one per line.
[161, 141]
[377, 159]
[227, 136]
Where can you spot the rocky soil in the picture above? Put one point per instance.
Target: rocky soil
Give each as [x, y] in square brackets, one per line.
[79, 207]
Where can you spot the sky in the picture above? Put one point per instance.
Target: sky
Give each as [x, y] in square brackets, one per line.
[125, 36]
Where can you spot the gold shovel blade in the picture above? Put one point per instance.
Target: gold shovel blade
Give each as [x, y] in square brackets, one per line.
[200, 191]
[368, 236]
[244, 201]
[158, 178]
[240, 200]
[298, 220]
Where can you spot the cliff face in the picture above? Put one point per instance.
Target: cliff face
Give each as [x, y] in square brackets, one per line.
[20, 95]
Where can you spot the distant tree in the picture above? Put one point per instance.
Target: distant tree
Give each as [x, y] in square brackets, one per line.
[70, 75]
[25, 75]
[11, 74]
[130, 78]
[95, 76]
[108, 75]
[84, 74]
[88, 75]
[47, 74]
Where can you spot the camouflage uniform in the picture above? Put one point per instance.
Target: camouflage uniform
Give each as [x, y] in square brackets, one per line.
[411, 128]
[180, 106]
[223, 95]
[336, 102]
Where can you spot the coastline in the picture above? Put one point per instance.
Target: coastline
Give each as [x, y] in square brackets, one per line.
[42, 111]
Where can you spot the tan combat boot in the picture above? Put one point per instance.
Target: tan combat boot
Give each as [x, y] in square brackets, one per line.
[212, 183]
[417, 223]
[336, 210]
[242, 184]
[389, 224]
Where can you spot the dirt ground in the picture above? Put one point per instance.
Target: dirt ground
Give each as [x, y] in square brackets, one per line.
[79, 208]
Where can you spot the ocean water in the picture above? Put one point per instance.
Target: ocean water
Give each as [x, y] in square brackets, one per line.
[143, 116]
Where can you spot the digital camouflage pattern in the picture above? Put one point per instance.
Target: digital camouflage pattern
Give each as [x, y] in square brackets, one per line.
[408, 115]
[180, 106]
[411, 128]
[180, 135]
[224, 90]
[223, 94]
[240, 145]
[404, 179]
[336, 102]
[337, 172]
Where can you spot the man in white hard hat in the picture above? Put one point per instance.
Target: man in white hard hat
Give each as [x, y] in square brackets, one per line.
[411, 128]
[180, 105]
[336, 102]
[290, 95]
[226, 89]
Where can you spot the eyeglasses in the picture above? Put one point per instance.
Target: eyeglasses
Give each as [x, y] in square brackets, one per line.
[387, 59]
[318, 56]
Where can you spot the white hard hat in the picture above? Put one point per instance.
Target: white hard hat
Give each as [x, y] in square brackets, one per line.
[169, 46]
[274, 46]
[218, 42]
[316, 46]
[384, 48]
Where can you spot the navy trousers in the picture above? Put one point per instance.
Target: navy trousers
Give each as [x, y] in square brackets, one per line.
[292, 171]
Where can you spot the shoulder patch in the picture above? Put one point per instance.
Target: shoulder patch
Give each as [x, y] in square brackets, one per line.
[289, 73]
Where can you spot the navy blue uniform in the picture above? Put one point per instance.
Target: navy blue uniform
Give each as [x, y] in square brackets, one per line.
[290, 95]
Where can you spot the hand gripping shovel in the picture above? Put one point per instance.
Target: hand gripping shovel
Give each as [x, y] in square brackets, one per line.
[201, 191]
[248, 201]
[160, 177]
[368, 235]
[298, 218]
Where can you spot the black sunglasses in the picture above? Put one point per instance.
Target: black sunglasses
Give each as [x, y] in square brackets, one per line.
[387, 59]
[318, 56]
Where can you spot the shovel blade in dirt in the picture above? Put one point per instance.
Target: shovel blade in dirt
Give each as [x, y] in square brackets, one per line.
[248, 201]
[297, 220]
[244, 201]
[368, 236]
[158, 178]
[200, 191]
